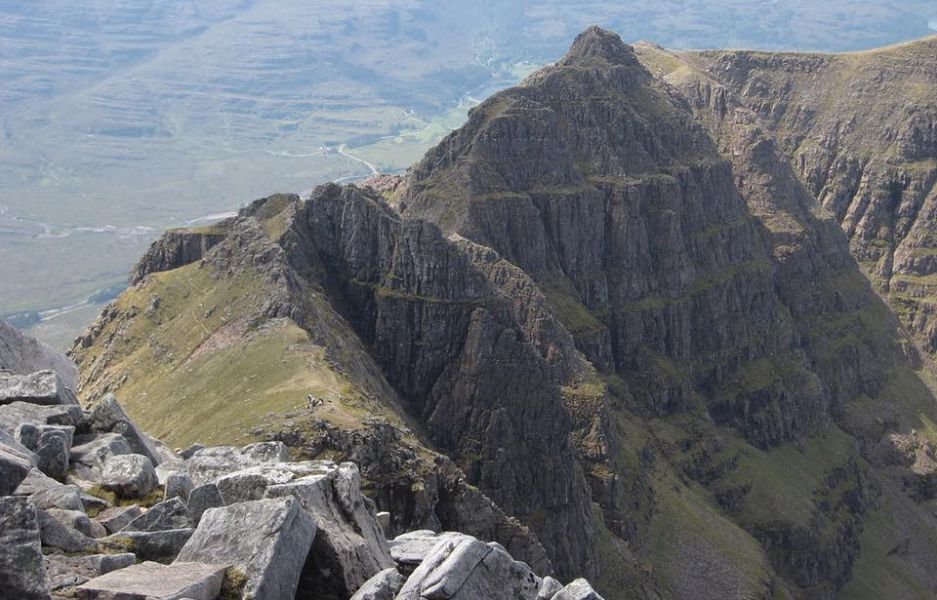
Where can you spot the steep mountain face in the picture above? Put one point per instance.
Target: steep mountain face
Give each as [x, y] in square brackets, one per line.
[604, 323]
[860, 131]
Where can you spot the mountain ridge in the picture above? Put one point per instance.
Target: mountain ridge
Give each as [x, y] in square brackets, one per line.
[599, 274]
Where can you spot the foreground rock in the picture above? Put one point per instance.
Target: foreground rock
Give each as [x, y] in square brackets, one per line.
[349, 547]
[41, 387]
[268, 540]
[153, 581]
[464, 568]
[22, 575]
[383, 586]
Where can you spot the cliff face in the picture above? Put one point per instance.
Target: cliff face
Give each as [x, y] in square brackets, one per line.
[605, 323]
[859, 131]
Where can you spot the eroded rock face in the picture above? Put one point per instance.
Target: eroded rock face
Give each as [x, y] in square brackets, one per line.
[484, 360]
[176, 249]
[267, 539]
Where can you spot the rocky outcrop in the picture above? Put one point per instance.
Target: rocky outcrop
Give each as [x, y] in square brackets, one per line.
[176, 249]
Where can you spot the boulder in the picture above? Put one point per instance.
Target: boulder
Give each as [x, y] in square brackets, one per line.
[23, 354]
[77, 520]
[577, 590]
[464, 568]
[350, 547]
[201, 499]
[242, 486]
[266, 539]
[94, 504]
[129, 475]
[53, 450]
[93, 450]
[67, 497]
[149, 545]
[178, 485]
[57, 531]
[548, 588]
[14, 468]
[114, 519]
[36, 481]
[22, 574]
[105, 563]
[16, 413]
[208, 464]
[154, 581]
[41, 387]
[383, 586]
[169, 514]
[409, 549]
[108, 416]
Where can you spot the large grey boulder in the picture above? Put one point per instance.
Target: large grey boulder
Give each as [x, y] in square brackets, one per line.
[115, 518]
[53, 450]
[58, 531]
[108, 416]
[69, 570]
[16, 413]
[266, 539]
[22, 574]
[577, 590]
[383, 586]
[93, 450]
[201, 499]
[409, 549]
[178, 485]
[169, 514]
[22, 354]
[15, 465]
[148, 545]
[67, 497]
[464, 568]
[208, 464]
[129, 475]
[548, 588]
[41, 387]
[153, 581]
[36, 481]
[350, 547]
[76, 519]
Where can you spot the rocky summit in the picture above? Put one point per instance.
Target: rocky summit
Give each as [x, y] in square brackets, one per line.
[651, 325]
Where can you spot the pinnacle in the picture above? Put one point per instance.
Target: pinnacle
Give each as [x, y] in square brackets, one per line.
[596, 43]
